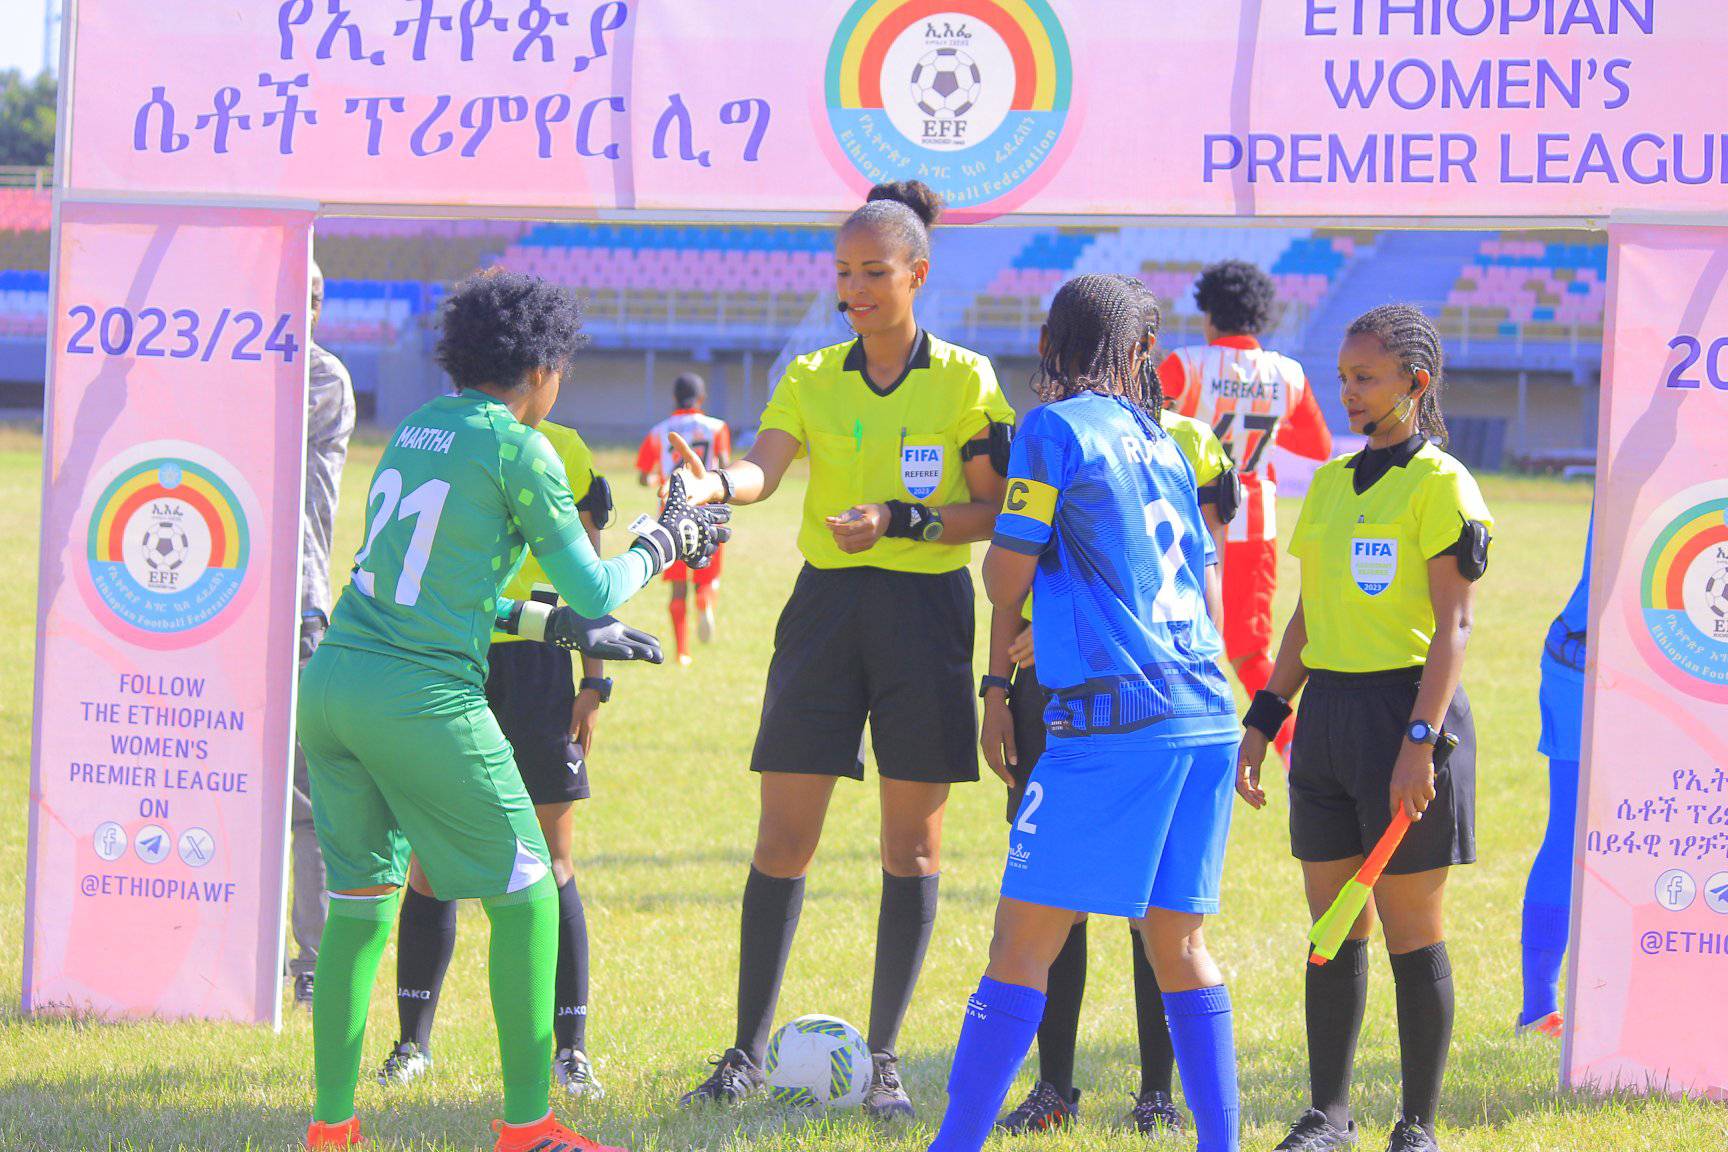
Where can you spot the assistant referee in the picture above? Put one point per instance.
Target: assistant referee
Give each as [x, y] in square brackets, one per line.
[907, 437]
[1392, 541]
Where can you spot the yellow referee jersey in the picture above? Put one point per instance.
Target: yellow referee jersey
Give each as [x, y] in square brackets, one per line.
[869, 446]
[579, 468]
[1199, 444]
[1365, 558]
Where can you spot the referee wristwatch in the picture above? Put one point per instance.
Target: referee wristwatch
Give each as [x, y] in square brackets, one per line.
[1421, 732]
[985, 683]
[599, 684]
[924, 523]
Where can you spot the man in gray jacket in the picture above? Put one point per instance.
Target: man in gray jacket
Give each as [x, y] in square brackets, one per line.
[329, 424]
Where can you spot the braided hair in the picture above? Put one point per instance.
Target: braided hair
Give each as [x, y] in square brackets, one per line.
[1091, 337]
[1151, 320]
[1406, 333]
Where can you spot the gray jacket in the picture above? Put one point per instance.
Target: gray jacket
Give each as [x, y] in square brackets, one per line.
[329, 424]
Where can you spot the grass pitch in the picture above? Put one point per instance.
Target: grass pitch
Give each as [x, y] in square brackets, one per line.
[662, 852]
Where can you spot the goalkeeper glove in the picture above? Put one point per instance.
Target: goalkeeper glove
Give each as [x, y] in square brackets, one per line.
[604, 638]
[683, 531]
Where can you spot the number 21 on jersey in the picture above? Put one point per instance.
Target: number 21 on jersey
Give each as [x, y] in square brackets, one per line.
[423, 506]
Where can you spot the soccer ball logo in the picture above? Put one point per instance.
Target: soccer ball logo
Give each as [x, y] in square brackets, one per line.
[166, 545]
[1716, 594]
[946, 84]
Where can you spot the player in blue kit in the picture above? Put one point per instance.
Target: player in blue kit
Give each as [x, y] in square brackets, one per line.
[1548, 893]
[1127, 812]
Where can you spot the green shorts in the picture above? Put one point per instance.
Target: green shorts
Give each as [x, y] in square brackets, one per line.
[402, 756]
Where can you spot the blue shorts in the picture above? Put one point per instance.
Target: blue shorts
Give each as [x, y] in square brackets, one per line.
[1561, 701]
[1114, 824]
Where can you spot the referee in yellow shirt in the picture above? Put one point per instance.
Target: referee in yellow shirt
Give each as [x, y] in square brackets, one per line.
[1013, 739]
[907, 437]
[1392, 541]
[549, 720]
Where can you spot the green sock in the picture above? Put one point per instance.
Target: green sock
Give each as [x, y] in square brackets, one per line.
[348, 955]
[522, 969]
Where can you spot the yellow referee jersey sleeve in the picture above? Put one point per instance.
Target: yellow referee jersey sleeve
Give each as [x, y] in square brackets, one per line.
[579, 467]
[870, 442]
[1365, 593]
[1199, 444]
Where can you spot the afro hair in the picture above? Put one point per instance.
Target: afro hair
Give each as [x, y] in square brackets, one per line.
[1236, 296]
[497, 326]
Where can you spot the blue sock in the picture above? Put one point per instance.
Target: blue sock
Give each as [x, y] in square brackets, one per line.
[1001, 1020]
[1201, 1031]
[1548, 896]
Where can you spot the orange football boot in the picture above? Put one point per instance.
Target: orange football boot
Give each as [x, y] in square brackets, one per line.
[544, 1135]
[343, 1135]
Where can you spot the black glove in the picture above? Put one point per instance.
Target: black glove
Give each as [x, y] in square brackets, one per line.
[605, 638]
[683, 531]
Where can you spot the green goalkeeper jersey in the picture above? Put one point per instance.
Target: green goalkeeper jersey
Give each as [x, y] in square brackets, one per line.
[459, 493]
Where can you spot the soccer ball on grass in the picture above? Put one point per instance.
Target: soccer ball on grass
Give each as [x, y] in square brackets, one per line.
[818, 1062]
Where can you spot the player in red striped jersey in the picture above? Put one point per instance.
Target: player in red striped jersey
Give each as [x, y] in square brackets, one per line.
[711, 439]
[1254, 398]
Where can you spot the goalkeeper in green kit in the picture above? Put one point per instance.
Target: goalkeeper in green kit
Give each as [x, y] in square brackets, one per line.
[402, 749]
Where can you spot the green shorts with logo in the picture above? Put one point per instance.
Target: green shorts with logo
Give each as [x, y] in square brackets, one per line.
[402, 756]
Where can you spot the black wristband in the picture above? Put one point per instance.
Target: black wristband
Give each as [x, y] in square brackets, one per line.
[901, 519]
[985, 683]
[1266, 713]
[725, 485]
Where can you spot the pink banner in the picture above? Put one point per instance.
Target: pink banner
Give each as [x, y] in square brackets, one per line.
[1650, 932]
[166, 635]
[1389, 108]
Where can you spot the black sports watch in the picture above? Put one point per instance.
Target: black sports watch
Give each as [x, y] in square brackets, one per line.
[985, 683]
[926, 523]
[1420, 732]
[600, 684]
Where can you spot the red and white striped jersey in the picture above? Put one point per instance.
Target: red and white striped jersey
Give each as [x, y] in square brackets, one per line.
[1253, 398]
[707, 435]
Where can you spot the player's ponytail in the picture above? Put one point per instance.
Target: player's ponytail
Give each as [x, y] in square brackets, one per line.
[1090, 341]
[1405, 332]
[906, 210]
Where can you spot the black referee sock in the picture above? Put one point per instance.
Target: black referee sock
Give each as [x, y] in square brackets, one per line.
[570, 1019]
[903, 925]
[1337, 997]
[1059, 1031]
[1425, 1007]
[425, 938]
[770, 919]
[1157, 1056]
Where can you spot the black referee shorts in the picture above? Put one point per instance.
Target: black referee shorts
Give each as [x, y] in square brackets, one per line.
[531, 689]
[893, 648]
[1350, 728]
[1026, 703]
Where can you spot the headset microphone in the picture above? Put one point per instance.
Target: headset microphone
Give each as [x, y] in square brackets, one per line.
[842, 306]
[1396, 414]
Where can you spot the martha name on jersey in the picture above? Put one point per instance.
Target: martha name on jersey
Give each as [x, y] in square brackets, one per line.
[425, 439]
